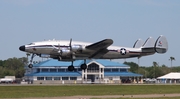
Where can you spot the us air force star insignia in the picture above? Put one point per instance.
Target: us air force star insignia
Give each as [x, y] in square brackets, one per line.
[123, 51]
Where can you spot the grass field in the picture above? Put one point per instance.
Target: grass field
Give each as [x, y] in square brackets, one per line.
[141, 98]
[72, 90]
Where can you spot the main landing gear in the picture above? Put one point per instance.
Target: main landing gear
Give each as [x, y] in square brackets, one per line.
[83, 66]
[71, 67]
[30, 64]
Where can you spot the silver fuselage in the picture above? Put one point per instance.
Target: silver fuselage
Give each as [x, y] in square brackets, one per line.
[79, 50]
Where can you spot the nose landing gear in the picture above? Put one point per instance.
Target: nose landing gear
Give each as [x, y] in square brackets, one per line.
[30, 64]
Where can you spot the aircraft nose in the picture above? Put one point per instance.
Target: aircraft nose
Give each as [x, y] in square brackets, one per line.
[22, 48]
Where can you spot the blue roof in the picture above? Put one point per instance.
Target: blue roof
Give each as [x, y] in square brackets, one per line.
[72, 74]
[109, 63]
[125, 74]
[77, 63]
[53, 62]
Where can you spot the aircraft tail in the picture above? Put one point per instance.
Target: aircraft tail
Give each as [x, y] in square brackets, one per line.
[159, 46]
[148, 46]
[138, 43]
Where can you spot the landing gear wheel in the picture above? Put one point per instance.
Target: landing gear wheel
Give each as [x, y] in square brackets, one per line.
[83, 66]
[71, 68]
[30, 65]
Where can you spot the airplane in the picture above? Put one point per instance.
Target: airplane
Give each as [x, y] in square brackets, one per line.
[64, 50]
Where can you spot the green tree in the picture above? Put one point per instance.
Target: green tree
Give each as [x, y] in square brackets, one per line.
[165, 69]
[175, 69]
[13, 67]
[150, 72]
[143, 71]
[155, 64]
[133, 66]
[1, 63]
[171, 59]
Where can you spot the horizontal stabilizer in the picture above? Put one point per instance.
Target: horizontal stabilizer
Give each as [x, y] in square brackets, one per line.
[148, 46]
[161, 45]
[138, 43]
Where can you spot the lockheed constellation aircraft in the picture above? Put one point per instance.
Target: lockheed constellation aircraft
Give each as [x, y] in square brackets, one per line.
[74, 50]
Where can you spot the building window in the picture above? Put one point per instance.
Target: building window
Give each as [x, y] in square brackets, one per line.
[93, 68]
[115, 70]
[40, 78]
[110, 78]
[61, 70]
[73, 78]
[101, 70]
[107, 70]
[38, 70]
[56, 78]
[48, 78]
[123, 70]
[53, 70]
[65, 78]
[45, 70]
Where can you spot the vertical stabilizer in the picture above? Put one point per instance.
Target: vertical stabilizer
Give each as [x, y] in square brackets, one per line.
[149, 43]
[161, 45]
[138, 43]
[148, 46]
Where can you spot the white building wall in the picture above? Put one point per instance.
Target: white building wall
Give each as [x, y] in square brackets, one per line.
[116, 78]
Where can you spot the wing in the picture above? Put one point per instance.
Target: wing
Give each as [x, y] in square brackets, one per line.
[100, 45]
[99, 48]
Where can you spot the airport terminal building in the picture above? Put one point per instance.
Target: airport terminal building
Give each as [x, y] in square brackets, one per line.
[98, 71]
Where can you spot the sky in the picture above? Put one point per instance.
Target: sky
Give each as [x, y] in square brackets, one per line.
[123, 21]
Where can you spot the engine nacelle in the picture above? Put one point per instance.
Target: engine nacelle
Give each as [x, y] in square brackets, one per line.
[65, 52]
[62, 58]
[77, 47]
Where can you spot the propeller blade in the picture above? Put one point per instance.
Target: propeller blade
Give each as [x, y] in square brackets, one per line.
[54, 47]
[71, 48]
[70, 44]
[59, 48]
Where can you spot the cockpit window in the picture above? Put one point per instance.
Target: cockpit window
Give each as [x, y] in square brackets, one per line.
[31, 44]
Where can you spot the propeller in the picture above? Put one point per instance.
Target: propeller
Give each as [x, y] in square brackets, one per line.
[59, 48]
[70, 45]
[59, 51]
